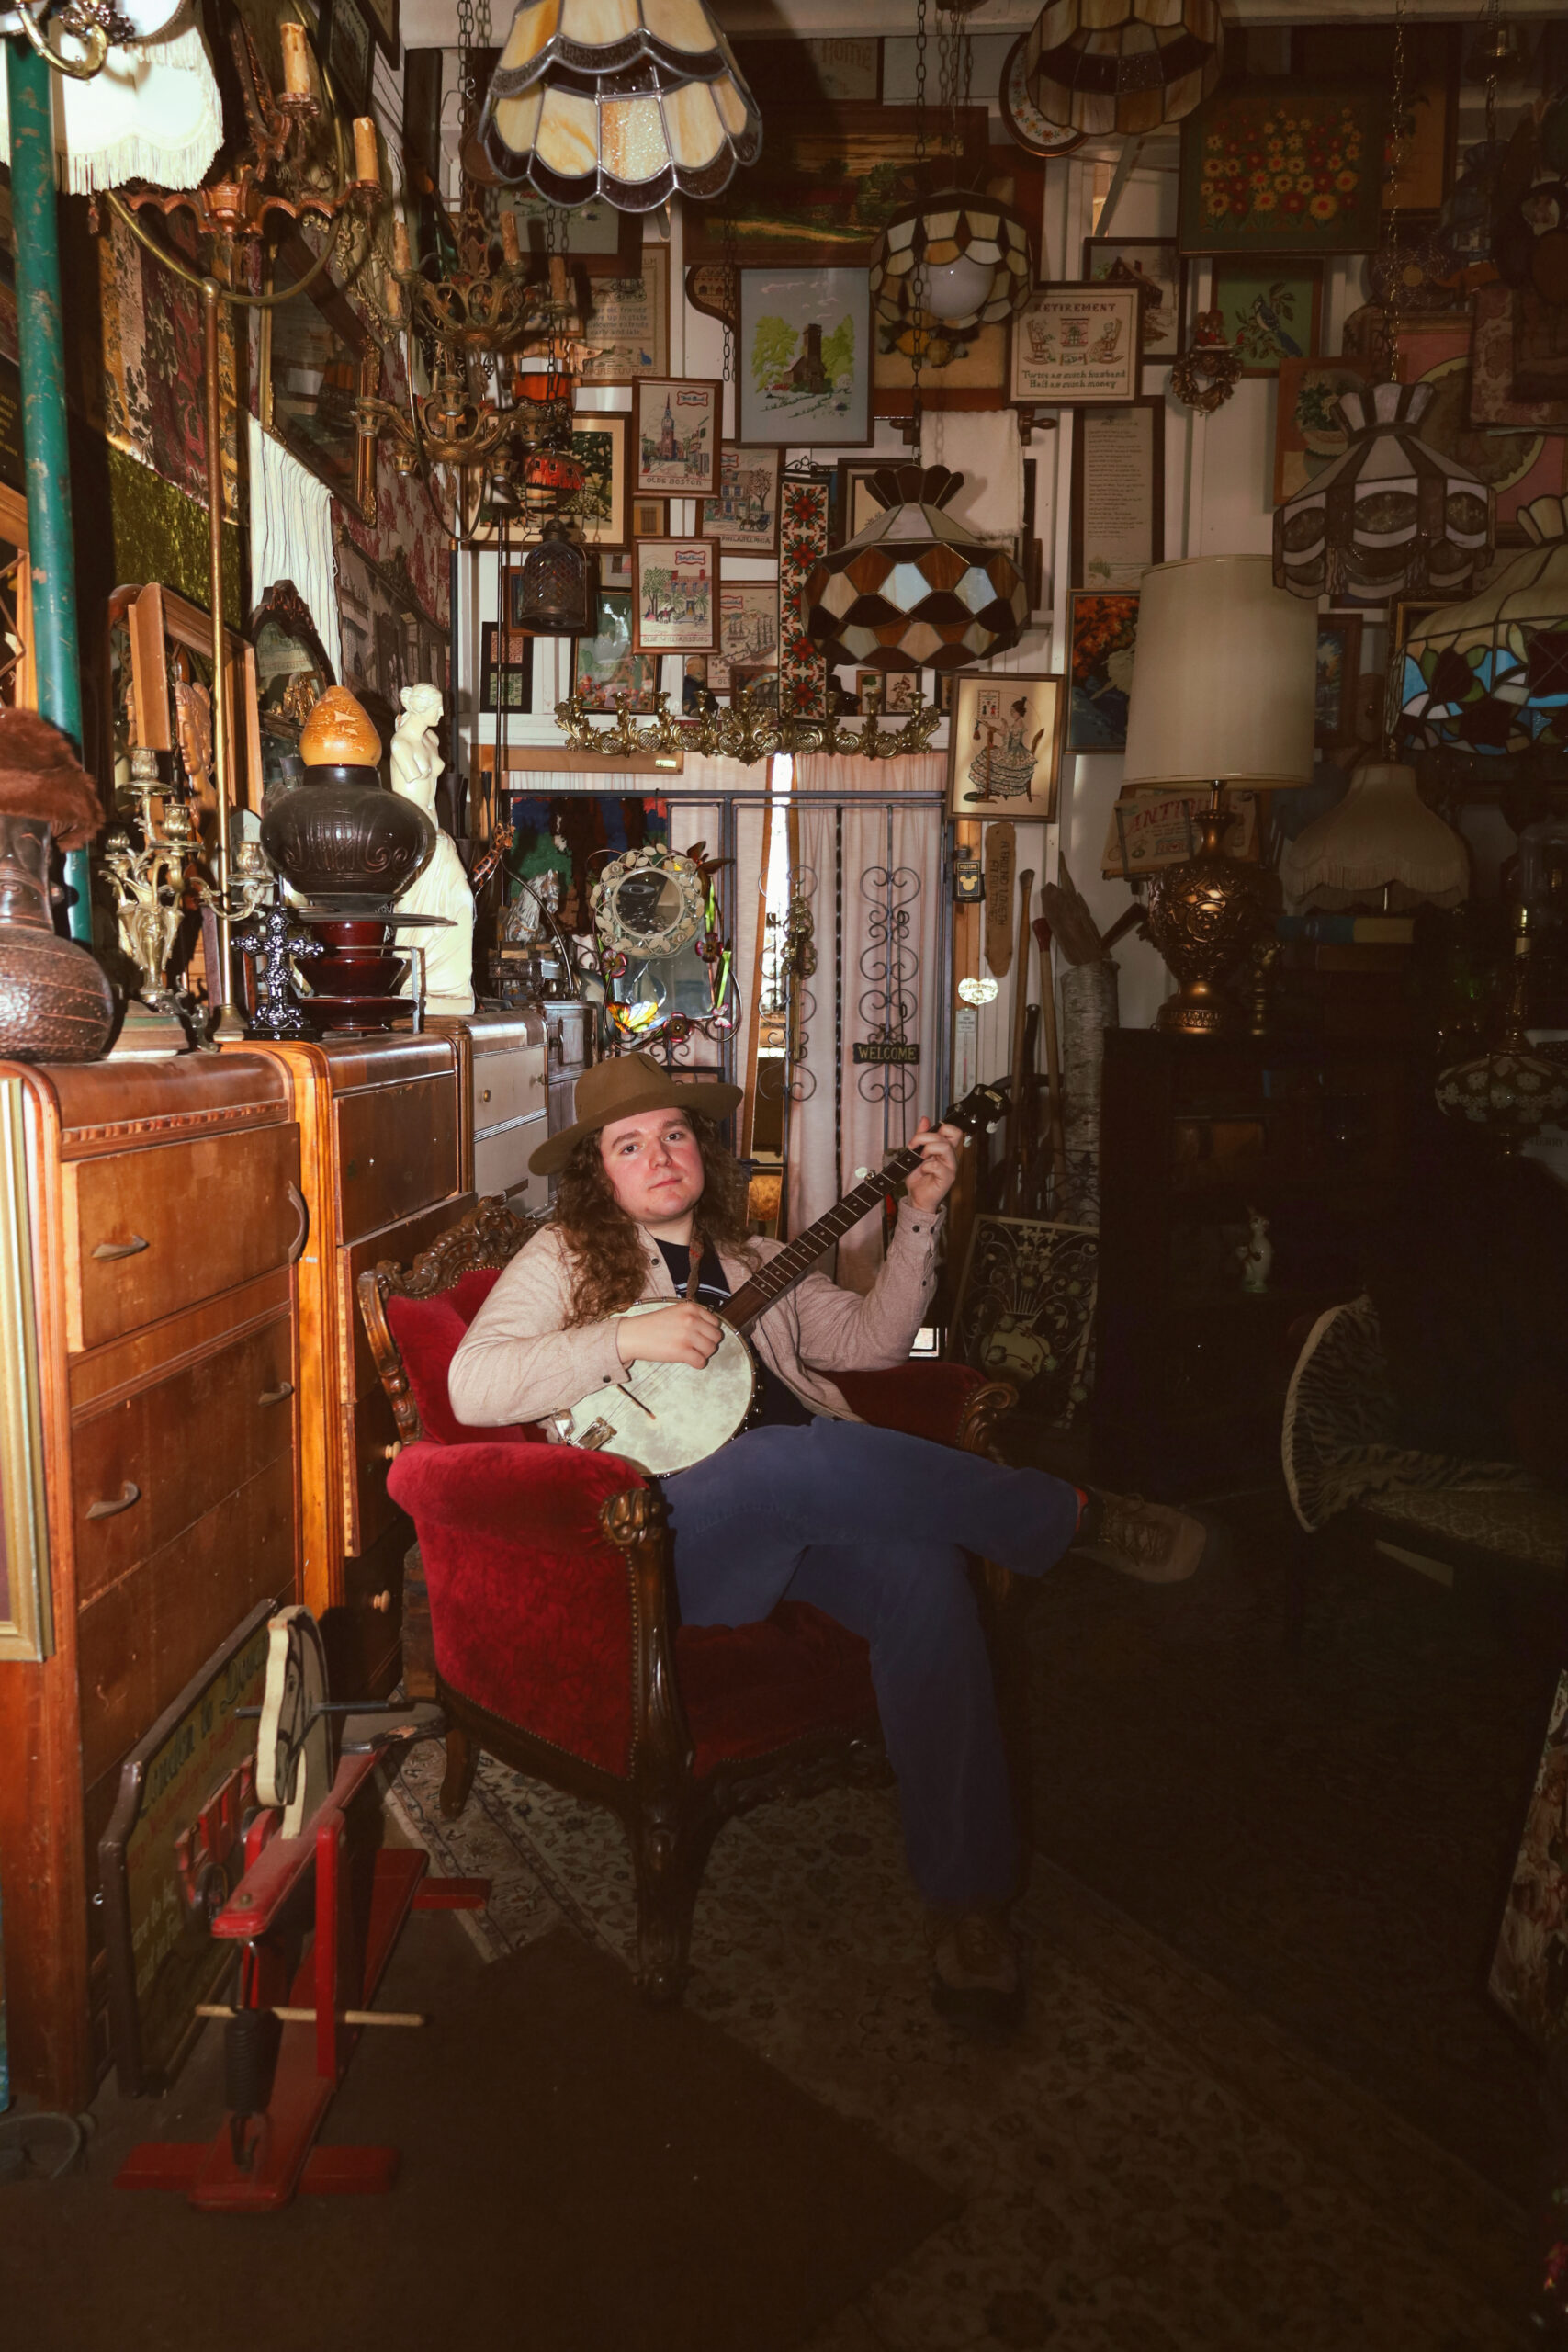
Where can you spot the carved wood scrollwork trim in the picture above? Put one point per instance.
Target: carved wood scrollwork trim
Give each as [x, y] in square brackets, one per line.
[490, 1235]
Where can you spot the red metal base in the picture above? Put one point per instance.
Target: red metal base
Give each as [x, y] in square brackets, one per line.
[355, 1929]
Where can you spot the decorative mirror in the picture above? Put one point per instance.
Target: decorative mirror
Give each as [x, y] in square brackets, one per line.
[292, 668]
[666, 966]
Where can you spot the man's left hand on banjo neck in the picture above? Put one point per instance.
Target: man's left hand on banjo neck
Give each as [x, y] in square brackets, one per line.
[867, 1524]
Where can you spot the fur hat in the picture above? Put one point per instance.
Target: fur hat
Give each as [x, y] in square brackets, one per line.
[40, 776]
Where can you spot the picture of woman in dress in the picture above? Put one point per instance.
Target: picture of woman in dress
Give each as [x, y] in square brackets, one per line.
[1003, 768]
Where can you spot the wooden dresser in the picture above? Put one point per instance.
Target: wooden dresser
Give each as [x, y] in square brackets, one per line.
[165, 1218]
[385, 1162]
[503, 1074]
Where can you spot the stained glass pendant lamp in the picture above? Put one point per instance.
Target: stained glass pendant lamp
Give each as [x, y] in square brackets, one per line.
[1491, 675]
[915, 589]
[1393, 517]
[1122, 65]
[960, 257]
[632, 100]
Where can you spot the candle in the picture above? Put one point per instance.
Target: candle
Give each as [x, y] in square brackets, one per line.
[510, 242]
[367, 160]
[401, 250]
[296, 61]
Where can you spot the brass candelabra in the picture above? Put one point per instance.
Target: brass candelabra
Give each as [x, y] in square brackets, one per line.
[747, 732]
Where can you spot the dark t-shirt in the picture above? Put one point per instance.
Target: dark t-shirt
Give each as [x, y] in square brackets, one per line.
[777, 1406]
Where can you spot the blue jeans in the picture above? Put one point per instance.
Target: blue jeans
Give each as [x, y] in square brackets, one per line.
[871, 1526]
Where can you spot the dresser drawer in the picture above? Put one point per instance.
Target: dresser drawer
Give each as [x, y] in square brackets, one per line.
[151, 1232]
[397, 1151]
[508, 1087]
[153, 1462]
[500, 1163]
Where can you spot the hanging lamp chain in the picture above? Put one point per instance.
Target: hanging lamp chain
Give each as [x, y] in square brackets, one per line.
[918, 313]
[1396, 158]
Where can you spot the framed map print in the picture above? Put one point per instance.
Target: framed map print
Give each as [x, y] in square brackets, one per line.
[1072, 343]
[676, 426]
[675, 595]
[805, 356]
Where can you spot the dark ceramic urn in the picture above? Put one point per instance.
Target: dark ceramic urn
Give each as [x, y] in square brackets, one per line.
[55, 1004]
[345, 841]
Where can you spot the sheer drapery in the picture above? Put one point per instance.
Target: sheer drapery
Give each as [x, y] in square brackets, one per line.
[291, 537]
[871, 873]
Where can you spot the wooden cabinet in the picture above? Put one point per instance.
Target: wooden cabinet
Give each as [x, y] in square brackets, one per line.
[164, 1215]
[384, 1160]
[1195, 1134]
[510, 1103]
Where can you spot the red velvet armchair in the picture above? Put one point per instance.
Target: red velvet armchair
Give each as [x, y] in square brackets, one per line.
[553, 1614]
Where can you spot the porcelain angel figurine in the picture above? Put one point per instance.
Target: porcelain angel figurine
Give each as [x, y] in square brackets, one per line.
[442, 887]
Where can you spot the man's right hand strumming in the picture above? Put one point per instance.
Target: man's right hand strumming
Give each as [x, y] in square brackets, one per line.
[686, 1333]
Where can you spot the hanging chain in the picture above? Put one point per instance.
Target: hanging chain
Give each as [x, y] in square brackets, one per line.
[1494, 29]
[1396, 171]
[918, 314]
[731, 297]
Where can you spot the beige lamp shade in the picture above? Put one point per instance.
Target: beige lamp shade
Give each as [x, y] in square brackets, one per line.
[1381, 838]
[1224, 677]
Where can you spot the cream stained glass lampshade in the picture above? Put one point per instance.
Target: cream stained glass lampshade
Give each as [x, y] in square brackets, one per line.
[1122, 65]
[959, 259]
[1394, 517]
[628, 99]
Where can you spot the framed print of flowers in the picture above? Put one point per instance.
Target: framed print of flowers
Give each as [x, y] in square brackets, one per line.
[1280, 169]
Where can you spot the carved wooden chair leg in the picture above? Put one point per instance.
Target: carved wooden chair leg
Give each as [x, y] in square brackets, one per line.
[668, 1861]
[462, 1762]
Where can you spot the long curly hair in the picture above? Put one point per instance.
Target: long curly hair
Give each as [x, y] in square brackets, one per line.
[609, 1263]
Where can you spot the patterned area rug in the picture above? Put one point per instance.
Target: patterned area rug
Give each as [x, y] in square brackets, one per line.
[1153, 2168]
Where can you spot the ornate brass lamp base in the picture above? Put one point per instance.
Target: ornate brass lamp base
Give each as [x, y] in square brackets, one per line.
[1204, 916]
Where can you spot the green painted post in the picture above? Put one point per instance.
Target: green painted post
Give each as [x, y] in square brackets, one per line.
[40, 333]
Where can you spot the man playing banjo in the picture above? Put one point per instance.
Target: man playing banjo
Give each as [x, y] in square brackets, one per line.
[868, 1524]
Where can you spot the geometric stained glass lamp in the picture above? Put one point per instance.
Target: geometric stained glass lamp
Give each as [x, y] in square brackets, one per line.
[626, 100]
[958, 256]
[1491, 675]
[915, 589]
[1394, 516]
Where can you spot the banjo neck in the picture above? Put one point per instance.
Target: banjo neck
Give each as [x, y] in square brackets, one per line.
[771, 1282]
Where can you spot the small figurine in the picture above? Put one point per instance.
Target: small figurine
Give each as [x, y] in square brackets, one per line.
[1256, 1254]
[441, 887]
[273, 939]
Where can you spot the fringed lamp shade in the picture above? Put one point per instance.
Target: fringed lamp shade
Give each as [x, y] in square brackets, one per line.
[958, 257]
[627, 99]
[1393, 517]
[1491, 675]
[1380, 843]
[915, 589]
[1122, 65]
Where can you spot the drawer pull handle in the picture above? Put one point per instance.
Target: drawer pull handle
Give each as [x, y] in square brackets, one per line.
[382, 1603]
[485, 1096]
[296, 1246]
[275, 1395]
[121, 1249]
[129, 1494]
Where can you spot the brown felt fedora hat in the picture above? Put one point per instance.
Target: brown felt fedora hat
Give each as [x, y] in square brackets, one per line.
[619, 1089]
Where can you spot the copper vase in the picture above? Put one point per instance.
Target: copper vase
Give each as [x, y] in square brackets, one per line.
[55, 1003]
[1204, 915]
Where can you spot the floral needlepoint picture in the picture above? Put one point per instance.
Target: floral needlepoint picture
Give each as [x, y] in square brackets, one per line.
[1278, 169]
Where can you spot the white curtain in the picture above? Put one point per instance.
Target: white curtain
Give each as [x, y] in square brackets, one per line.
[291, 536]
[868, 865]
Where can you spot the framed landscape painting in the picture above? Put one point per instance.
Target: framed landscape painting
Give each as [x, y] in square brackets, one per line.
[1102, 631]
[676, 431]
[805, 356]
[675, 595]
[1282, 168]
[829, 180]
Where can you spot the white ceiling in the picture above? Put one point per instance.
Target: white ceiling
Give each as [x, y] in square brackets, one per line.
[432, 24]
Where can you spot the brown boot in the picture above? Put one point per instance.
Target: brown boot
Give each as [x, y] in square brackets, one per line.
[976, 1984]
[1151, 1541]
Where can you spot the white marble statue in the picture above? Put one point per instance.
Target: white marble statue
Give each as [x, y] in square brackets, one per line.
[442, 887]
[1256, 1253]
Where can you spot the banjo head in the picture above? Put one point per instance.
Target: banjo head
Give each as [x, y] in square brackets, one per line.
[665, 1416]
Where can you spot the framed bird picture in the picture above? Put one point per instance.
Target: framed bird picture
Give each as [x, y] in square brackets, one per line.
[1273, 308]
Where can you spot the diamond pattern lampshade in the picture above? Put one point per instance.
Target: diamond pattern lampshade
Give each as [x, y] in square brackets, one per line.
[959, 259]
[1491, 675]
[1393, 517]
[626, 100]
[1122, 65]
[915, 589]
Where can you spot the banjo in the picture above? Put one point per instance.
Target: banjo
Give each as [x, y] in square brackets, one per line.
[664, 1417]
